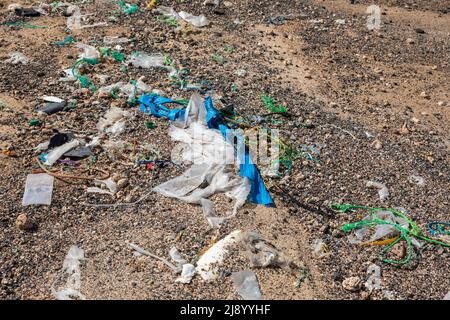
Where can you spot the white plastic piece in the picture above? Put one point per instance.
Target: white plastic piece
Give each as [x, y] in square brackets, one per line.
[115, 40]
[16, 58]
[318, 247]
[186, 274]
[113, 121]
[74, 21]
[383, 191]
[71, 267]
[168, 12]
[374, 280]
[447, 296]
[38, 189]
[209, 263]
[68, 76]
[196, 21]
[42, 146]
[246, 285]
[89, 52]
[146, 61]
[58, 152]
[110, 185]
[144, 252]
[176, 256]
[52, 99]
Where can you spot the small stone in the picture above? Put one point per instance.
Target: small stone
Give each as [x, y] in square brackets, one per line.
[377, 144]
[441, 103]
[419, 30]
[352, 284]
[409, 41]
[228, 4]
[399, 250]
[23, 222]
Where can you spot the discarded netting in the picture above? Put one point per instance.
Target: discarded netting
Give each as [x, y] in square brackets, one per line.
[128, 8]
[71, 267]
[85, 83]
[67, 40]
[389, 222]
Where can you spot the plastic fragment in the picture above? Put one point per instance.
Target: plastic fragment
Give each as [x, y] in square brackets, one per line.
[186, 274]
[113, 121]
[383, 191]
[246, 285]
[16, 58]
[196, 21]
[108, 183]
[144, 60]
[144, 252]
[71, 268]
[58, 152]
[261, 253]
[209, 263]
[374, 280]
[53, 107]
[38, 189]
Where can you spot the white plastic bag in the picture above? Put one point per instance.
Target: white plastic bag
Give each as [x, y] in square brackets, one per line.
[38, 189]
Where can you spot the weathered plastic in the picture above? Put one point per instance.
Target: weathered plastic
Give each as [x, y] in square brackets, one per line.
[38, 189]
[246, 285]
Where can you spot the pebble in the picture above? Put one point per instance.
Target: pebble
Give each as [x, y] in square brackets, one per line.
[23, 222]
[410, 41]
[352, 284]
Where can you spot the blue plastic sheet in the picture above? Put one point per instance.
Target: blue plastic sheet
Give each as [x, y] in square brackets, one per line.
[154, 104]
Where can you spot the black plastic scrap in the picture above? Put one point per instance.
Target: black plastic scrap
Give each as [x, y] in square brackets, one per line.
[80, 152]
[27, 12]
[53, 107]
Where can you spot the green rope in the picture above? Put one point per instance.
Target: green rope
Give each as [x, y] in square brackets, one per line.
[85, 83]
[23, 25]
[405, 233]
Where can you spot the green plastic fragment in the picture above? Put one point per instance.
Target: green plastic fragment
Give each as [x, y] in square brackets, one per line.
[270, 105]
[150, 125]
[34, 122]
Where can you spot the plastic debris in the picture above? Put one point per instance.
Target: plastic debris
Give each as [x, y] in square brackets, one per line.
[383, 191]
[176, 256]
[447, 296]
[53, 107]
[144, 60]
[128, 8]
[27, 12]
[89, 52]
[212, 157]
[187, 274]
[113, 121]
[388, 222]
[374, 280]
[246, 285]
[108, 183]
[115, 40]
[270, 105]
[196, 21]
[261, 253]
[71, 267]
[66, 40]
[38, 189]
[52, 99]
[74, 21]
[144, 252]
[80, 152]
[320, 249]
[209, 263]
[58, 152]
[16, 58]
